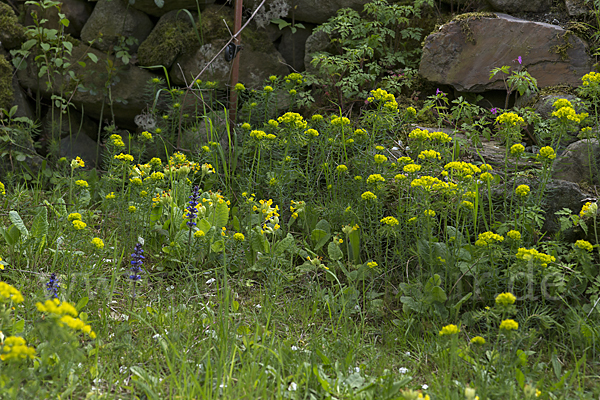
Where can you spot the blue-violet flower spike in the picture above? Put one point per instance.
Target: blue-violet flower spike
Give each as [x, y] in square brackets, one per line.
[137, 260]
[192, 211]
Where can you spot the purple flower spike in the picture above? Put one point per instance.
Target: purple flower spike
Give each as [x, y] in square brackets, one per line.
[520, 60]
[137, 260]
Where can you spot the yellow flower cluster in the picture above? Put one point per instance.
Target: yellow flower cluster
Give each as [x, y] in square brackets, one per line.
[400, 177]
[534, 255]
[522, 190]
[79, 225]
[428, 183]
[505, 299]
[569, 114]
[588, 210]
[66, 315]
[449, 330]
[2, 189]
[312, 132]
[117, 140]
[341, 168]
[82, 183]
[487, 238]
[584, 245]
[429, 213]
[591, 79]
[111, 195]
[509, 324]
[79, 163]
[257, 134]
[371, 264]
[124, 157]
[514, 235]
[411, 168]
[98, 243]
[478, 340]
[389, 100]
[546, 153]
[239, 237]
[517, 149]
[293, 119]
[368, 196]
[74, 217]
[430, 154]
[510, 118]
[147, 136]
[380, 158]
[375, 178]
[15, 348]
[339, 121]
[423, 135]
[9, 293]
[391, 221]
[462, 168]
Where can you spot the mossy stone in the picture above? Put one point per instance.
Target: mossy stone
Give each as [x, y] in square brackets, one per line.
[6, 92]
[12, 34]
[172, 34]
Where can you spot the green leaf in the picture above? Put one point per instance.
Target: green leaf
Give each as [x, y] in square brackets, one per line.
[221, 215]
[93, 57]
[21, 157]
[82, 303]
[520, 376]
[204, 225]
[218, 246]
[334, 251]
[83, 199]
[68, 46]
[355, 245]
[156, 213]
[11, 235]
[39, 226]
[258, 242]
[18, 326]
[18, 222]
[438, 294]
[286, 244]
[319, 237]
[61, 207]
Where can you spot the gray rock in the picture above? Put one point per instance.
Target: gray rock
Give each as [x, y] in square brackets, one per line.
[543, 104]
[315, 43]
[24, 108]
[79, 146]
[172, 34]
[258, 59]
[126, 87]
[72, 124]
[12, 34]
[560, 194]
[112, 19]
[292, 47]
[150, 7]
[464, 51]
[76, 11]
[315, 11]
[519, 6]
[579, 163]
[576, 8]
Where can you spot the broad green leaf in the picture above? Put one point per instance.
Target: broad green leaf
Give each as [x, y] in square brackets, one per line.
[218, 246]
[93, 57]
[334, 251]
[221, 215]
[156, 213]
[319, 237]
[355, 245]
[286, 244]
[18, 222]
[39, 226]
[438, 294]
[61, 207]
[82, 303]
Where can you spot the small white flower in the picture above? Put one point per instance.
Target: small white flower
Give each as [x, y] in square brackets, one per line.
[293, 387]
[211, 280]
[403, 370]
[258, 306]
[425, 386]
[407, 354]
[122, 369]
[294, 348]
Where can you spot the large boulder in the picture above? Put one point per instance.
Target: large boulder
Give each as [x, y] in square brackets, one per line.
[126, 85]
[464, 51]
[579, 163]
[114, 19]
[315, 11]
[150, 7]
[520, 6]
[173, 34]
[258, 59]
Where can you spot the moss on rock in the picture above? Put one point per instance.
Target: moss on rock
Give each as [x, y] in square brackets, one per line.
[12, 34]
[464, 19]
[172, 35]
[6, 91]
